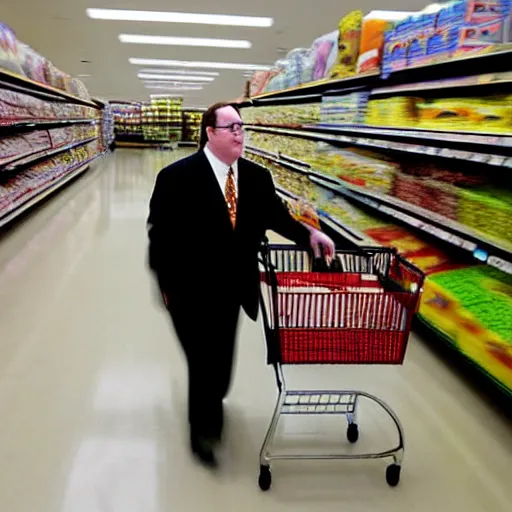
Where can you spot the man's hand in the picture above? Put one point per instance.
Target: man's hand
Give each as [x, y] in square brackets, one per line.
[321, 243]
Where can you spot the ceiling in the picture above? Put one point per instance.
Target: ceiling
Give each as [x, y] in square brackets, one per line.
[61, 31]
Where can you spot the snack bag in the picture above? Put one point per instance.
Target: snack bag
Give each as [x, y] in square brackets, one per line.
[348, 45]
[9, 50]
[303, 212]
[259, 81]
[325, 50]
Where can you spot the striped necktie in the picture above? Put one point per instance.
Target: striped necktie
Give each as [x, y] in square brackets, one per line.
[230, 194]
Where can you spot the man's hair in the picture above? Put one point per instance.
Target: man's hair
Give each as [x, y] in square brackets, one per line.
[210, 119]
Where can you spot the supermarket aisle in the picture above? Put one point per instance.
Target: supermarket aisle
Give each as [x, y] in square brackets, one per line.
[92, 389]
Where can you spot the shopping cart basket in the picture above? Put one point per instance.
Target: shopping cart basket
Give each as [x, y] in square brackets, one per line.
[360, 312]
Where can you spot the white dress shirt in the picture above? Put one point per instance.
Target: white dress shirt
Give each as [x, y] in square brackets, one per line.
[220, 169]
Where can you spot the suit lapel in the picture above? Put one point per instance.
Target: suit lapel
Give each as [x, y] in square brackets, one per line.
[242, 195]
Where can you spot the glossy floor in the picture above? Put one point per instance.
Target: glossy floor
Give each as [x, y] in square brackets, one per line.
[92, 388]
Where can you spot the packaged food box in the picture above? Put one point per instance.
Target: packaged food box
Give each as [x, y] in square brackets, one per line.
[437, 197]
[374, 26]
[396, 111]
[487, 210]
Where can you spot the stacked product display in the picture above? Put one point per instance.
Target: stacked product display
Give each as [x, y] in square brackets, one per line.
[418, 161]
[107, 125]
[162, 120]
[191, 126]
[50, 130]
[383, 42]
[127, 122]
[158, 122]
[444, 31]
[21, 64]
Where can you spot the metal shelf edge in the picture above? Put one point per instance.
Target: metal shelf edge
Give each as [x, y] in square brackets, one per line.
[12, 78]
[12, 166]
[440, 152]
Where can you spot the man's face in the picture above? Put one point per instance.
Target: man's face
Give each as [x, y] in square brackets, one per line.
[226, 140]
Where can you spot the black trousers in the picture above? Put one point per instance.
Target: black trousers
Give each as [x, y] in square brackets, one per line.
[207, 336]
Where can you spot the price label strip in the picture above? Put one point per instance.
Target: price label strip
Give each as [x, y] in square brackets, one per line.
[505, 266]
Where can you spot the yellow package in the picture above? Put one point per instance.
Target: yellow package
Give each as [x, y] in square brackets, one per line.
[348, 45]
[398, 111]
[491, 114]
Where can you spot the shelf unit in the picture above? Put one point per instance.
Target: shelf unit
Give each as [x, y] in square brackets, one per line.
[460, 256]
[44, 192]
[355, 238]
[10, 80]
[481, 247]
[351, 235]
[467, 146]
[472, 67]
[25, 160]
[11, 128]
[48, 136]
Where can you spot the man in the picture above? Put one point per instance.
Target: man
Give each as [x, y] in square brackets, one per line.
[208, 215]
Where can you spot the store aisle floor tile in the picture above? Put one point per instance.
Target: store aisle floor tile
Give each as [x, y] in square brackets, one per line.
[93, 387]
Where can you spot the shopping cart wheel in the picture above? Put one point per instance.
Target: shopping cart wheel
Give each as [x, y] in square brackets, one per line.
[393, 475]
[352, 432]
[265, 478]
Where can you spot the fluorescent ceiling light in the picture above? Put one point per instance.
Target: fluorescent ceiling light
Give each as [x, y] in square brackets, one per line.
[170, 83]
[197, 64]
[180, 72]
[184, 41]
[179, 17]
[166, 95]
[175, 87]
[153, 76]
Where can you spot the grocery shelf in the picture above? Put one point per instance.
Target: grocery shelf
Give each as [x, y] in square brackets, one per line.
[290, 163]
[174, 124]
[150, 144]
[30, 158]
[470, 65]
[11, 127]
[11, 80]
[349, 234]
[485, 80]
[450, 137]
[437, 141]
[261, 152]
[449, 343]
[495, 60]
[41, 194]
[482, 248]
[320, 86]
[447, 230]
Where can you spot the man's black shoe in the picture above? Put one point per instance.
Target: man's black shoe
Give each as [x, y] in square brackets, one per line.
[202, 448]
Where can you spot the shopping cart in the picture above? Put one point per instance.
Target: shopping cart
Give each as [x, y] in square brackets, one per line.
[359, 312]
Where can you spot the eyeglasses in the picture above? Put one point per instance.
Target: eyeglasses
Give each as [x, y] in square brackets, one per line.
[233, 128]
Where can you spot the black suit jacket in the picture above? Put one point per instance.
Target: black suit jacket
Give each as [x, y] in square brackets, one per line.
[199, 259]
